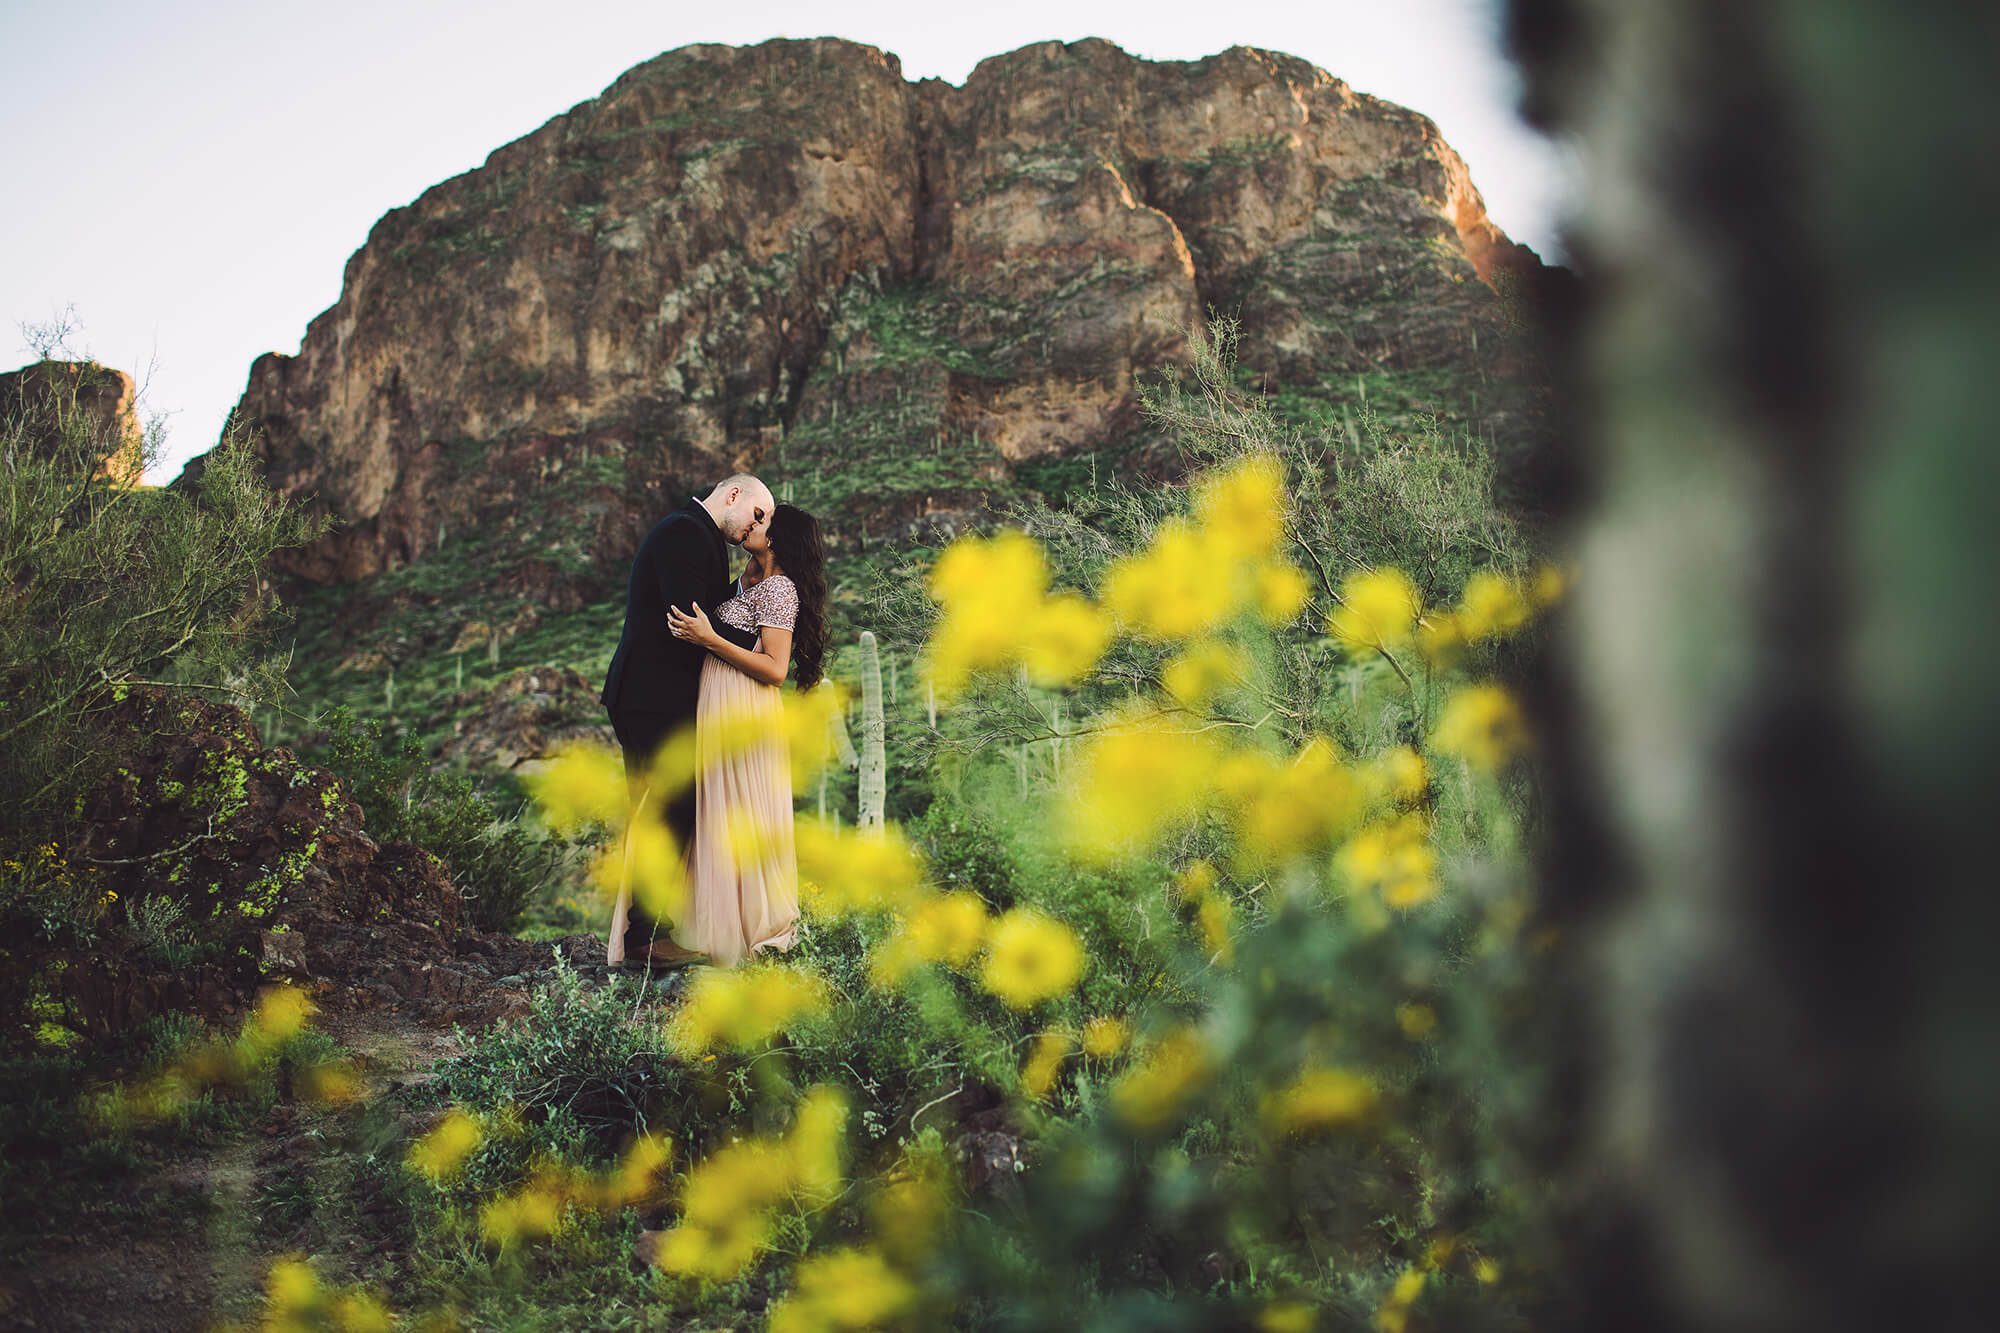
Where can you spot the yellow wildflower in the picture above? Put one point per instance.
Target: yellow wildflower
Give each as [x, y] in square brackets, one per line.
[1492, 605]
[1038, 1073]
[1281, 592]
[941, 928]
[582, 783]
[645, 858]
[1417, 1021]
[1104, 1036]
[1243, 502]
[1550, 583]
[1394, 1316]
[1441, 639]
[535, 1209]
[440, 1153]
[1178, 587]
[844, 870]
[1323, 1098]
[1134, 780]
[1398, 774]
[1216, 916]
[1483, 725]
[743, 1007]
[1202, 671]
[846, 1288]
[1153, 1091]
[1031, 958]
[1286, 808]
[1062, 638]
[1378, 609]
[1287, 1317]
[1394, 859]
[1486, 1271]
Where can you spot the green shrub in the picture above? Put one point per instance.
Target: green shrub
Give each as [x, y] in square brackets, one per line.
[499, 864]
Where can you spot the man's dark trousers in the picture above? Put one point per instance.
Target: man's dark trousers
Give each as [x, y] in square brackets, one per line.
[654, 680]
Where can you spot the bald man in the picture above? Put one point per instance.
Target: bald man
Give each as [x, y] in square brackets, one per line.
[654, 678]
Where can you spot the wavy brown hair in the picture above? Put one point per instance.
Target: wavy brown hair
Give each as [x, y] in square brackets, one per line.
[801, 556]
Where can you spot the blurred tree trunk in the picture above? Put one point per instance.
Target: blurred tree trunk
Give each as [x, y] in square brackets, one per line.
[1770, 738]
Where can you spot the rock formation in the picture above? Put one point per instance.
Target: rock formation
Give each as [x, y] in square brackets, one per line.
[886, 296]
[83, 404]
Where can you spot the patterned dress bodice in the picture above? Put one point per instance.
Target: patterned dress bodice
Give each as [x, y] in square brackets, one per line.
[775, 601]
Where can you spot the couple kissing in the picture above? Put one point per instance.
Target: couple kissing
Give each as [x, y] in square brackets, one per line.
[701, 651]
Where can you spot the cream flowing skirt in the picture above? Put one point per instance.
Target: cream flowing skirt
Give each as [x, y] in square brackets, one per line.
[743, 874]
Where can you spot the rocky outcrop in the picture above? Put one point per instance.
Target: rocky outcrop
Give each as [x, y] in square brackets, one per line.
[884, 295]
[78, 404]
[219, 865]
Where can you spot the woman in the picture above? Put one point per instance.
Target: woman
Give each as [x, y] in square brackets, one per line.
[743, 891]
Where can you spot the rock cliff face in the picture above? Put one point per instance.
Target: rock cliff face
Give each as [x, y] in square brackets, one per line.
[50, 398]
[884, 296]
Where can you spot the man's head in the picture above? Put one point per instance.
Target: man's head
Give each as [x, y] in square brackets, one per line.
[738, 504]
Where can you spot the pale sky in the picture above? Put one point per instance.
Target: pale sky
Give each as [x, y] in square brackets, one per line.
[189, 179]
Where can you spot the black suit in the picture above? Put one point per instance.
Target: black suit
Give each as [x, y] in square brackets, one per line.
[654, 677]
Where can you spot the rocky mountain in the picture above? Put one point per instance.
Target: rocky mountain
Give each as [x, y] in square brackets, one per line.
[890, 298]
[92, 405]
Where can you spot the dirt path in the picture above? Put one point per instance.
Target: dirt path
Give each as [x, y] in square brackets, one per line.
[178, 1232]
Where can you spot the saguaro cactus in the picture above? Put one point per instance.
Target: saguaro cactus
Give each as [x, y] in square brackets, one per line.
[874, 760]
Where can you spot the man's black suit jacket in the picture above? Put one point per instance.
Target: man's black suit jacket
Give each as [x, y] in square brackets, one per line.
[682, 561]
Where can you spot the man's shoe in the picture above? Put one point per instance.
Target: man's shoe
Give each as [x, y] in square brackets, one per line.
[666, 953]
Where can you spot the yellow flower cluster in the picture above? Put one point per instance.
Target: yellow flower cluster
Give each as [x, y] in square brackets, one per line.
[1491, 606]
[1393, 859]
[281, 1014]
[439, 1154]
[1150, 1094]
[1394, 1316]
[1483, 725]
[842, 871]
[1044, 1062]
[1321, 1099]
[295, 1301]
[847, 1288]
[728, 1201]
[998, 611]
[537, 1208]
[1377, 610]
[1105, 1036]
[944, 928]
[1031, 957]
[1200, 573]
[743, 1008]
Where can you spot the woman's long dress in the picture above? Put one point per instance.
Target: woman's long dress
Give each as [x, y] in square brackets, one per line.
[743, 879]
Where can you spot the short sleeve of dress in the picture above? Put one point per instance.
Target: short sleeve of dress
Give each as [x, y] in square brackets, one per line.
[777, 602]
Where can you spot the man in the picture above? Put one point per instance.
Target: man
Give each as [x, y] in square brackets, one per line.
[654, 677]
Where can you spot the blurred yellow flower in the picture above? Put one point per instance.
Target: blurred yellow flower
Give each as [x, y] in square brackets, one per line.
[1062, 639]
[1044, 1062]
[851, 870]
[1492, 605]
[1281, 591]
[1417, 1021]
[1179, 586]
[1244, 500]
[1031, 958]
[1287, 808]
[1203, 670]
[1217, 915]
[1323, 1098]
[1486, 1271]
[1482, 725]
[1394, 859]
[1287, 1317]
[533, 1210]
[1105, 1036]
[1394, 1316]
[808, 727]
[1441, 639]
[439, 1154]
[941, 928]
[1397, 774]
[1378, 609]
[1548, 585]
[1155, 1089]
[1133, 780]
[644, 857]
[847, 1288]
[581, 784]
[743, 1007]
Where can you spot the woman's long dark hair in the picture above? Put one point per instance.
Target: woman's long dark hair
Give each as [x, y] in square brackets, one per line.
[795, 542]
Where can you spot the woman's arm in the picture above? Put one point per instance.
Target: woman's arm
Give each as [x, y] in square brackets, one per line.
[767, 662]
